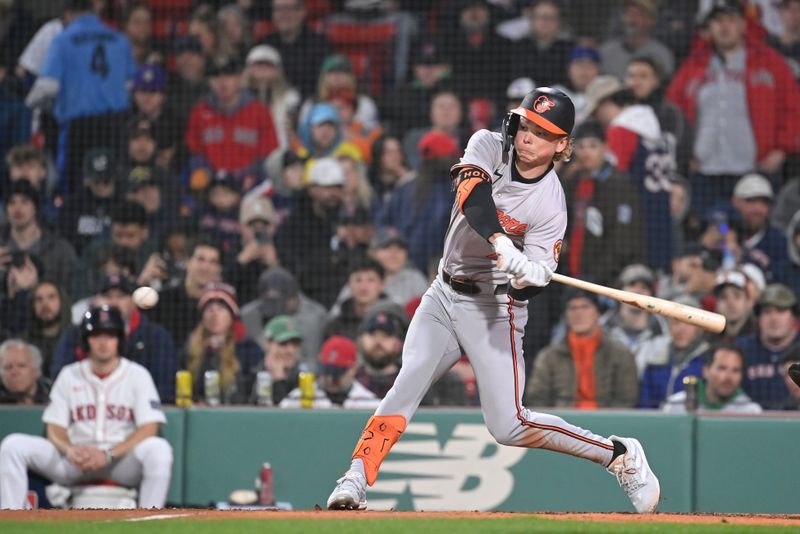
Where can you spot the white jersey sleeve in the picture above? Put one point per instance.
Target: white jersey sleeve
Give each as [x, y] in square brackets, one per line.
[147, 404]
[482, 151]
[57, 411]
[543, 241]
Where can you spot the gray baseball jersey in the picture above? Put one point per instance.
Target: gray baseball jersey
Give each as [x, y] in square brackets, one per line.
[533, 215]
[487, 326]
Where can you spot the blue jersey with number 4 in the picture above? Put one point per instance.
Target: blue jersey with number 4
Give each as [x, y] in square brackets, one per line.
[93, 64]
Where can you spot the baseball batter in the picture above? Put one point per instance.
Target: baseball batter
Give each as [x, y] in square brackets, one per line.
[102, 421]
[510, 205]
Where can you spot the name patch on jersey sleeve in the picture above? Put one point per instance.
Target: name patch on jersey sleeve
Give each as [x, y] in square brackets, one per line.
[557, 250]
[468, 177]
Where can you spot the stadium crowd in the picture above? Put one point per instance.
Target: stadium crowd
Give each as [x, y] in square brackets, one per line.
[279, 172]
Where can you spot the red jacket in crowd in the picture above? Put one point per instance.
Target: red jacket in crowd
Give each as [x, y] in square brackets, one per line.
[231, 141]
[772, 94]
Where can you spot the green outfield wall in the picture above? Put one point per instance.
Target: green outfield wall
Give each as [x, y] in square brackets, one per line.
[446, 460]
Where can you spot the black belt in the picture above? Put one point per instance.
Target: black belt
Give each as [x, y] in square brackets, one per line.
[469, 287]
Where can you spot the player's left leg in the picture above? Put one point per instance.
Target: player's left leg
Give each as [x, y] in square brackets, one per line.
[429, 351]
[149, 467]
[21, 452]
[497, 359]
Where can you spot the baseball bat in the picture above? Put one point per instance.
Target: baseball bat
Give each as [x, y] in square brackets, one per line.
[711, 321]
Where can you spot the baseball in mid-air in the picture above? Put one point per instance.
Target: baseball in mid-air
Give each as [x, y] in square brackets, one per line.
[145, 297]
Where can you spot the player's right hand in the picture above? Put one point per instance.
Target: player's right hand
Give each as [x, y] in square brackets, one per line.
[509, 259]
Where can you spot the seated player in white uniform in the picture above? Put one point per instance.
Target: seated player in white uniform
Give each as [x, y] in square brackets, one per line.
[102, 424]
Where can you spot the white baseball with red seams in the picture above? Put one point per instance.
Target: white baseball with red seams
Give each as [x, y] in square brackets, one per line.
[100, 412]
[145, 297]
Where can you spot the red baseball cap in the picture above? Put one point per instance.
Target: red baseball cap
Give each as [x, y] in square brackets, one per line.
[434, 145]
[338, 351]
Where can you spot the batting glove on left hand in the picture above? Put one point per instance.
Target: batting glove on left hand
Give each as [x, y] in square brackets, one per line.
[537, 274]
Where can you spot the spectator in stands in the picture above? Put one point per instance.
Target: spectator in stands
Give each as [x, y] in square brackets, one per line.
[761, 242]
[218, 344]
[48, 314]
[686, 225]
[420, 209]
[110, 260]
[605, 221]
[388, 171]
[284, 183]
[177, 307]
[365, 281]
[777, 314]
[735, 305]
[694, 271]
[446, 116]
[86, 72]
[402, 281]
[86, 214]
[545, 52]
[358, 191]
[282, 358]
[188, 84]
[25, 162]
[791, 357]
[151, 189]
[336, 385]
[582, 69]
[26, 242]
[632, 326]
[279, 294]
[635, 139]
[218, 216]
[480, 57]
[15, 117]
[336, 75]
[301, 48]
[671, 360]
[645, 77]
[146, 342]
[235, 31]
[304, 239]
[380, 343]
[203, 27]
[321, 135]
[738, 94]
[353, 131]
[230, 130]
[406, 107]
[349, 247]
[588, 369]
[129, 230]
[719, 390]
[265, 78]
[21, 379]
[137, 23]
[257, 253]
[150, 103]
[788, 42]
[639, 17]
[167, 267]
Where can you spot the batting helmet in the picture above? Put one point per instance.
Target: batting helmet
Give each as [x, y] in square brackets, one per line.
[99, 319]
[550, 108]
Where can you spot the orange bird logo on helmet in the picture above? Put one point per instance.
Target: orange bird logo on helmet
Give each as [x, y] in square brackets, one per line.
[543, 104]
